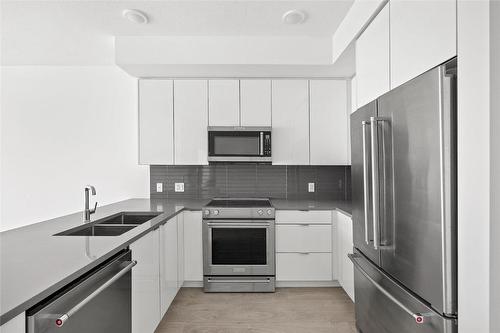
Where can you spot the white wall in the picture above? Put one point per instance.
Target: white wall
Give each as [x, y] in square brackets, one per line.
[63, 128]
[495, 163]
[474, 167]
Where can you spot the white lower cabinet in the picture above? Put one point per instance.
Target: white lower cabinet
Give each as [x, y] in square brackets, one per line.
[145, 283]
[15, 325]
[303, 238]
[304, 245]
[305, 266]
[193, 247]
[345, 246]
[180, 250]
[168, 264]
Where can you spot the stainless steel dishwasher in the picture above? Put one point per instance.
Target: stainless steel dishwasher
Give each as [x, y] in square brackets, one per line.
[98, 302]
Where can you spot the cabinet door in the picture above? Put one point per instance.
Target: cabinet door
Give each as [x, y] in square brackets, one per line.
[328, 117]
[190, 122]
[303, 266]
[193, 247]
[372, 59]
[168, 264]
[255, 102]
[290, 119]
[224, 103]
[156, 122]
[345, 243]
[423, 35]
[15, 325]
[146, 283]
[180, 250]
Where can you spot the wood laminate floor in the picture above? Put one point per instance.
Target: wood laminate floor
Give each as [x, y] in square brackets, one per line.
[289, 310]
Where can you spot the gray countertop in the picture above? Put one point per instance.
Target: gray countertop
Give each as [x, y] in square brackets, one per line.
[34, 263]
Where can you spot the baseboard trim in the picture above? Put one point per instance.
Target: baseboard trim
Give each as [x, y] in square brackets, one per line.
[192, 284]
[279, 284]
[307, 284]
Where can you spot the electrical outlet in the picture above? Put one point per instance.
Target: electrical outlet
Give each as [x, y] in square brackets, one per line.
[179, 187]
[310, 187]
[159, 187]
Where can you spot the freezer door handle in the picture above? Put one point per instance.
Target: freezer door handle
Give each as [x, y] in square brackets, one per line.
[419, 317]
[366, 197]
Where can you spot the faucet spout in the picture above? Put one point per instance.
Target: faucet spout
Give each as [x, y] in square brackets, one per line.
[87, 210]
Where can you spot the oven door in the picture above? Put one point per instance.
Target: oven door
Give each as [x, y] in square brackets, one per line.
[238, 247]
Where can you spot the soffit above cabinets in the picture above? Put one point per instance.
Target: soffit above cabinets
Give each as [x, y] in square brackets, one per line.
[82, 32]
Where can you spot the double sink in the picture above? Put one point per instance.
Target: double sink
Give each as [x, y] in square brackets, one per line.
[113, 225]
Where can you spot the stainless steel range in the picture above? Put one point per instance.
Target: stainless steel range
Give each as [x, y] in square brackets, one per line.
[238, 245]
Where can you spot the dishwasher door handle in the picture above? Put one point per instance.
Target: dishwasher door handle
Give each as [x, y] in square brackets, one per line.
[62, 319]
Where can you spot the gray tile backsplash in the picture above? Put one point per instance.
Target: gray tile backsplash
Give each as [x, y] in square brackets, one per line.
[252, 180]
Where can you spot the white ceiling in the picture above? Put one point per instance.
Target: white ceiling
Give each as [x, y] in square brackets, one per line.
[81, 32]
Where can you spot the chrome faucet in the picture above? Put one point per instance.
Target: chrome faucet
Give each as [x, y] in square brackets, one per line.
[88, 211]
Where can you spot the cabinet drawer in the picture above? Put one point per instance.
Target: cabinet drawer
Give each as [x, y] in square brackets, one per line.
[303, 238]
[303, 267]
[300, 216]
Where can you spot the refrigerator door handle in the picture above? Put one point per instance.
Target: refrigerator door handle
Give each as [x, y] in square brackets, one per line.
[375, 182]
[419, 317]
[366, 197]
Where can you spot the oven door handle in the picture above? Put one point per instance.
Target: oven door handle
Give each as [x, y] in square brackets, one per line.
[236, 224]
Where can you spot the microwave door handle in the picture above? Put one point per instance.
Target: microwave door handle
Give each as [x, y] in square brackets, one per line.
[261, 146]
[366, 196]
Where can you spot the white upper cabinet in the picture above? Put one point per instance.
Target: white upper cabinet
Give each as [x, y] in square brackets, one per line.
[255, 101]
[190, 122]
[423, 35]
[223, 103]
[156, 122]
[290, 119]
[354, 94]
[328, 117]
[372, 59]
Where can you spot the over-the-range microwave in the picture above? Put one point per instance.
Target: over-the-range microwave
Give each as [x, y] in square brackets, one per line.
[239, 144]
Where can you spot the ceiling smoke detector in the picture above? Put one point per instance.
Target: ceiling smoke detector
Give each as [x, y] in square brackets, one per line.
[294, 17]
[136, 16]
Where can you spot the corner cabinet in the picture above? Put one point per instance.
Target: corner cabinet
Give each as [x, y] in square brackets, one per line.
[190, 122]
[156, 122]
[328, 122]
[15, 325]
[290, 119]
[146, 283]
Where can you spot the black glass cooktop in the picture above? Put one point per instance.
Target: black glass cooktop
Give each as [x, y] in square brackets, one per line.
[246, 203]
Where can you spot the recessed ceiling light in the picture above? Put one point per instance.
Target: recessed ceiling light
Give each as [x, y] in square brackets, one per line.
[294, 16]
[135, 16]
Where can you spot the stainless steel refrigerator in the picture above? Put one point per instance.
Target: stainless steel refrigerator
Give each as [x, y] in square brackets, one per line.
[404, 207]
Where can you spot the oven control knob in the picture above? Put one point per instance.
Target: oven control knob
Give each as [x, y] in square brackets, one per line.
[269, 212]
[216, 212]
[207, 212]
[260, 212]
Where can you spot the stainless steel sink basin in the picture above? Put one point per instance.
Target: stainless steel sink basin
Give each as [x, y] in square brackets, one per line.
[128, 218]
[113, 225]
[98, 230]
